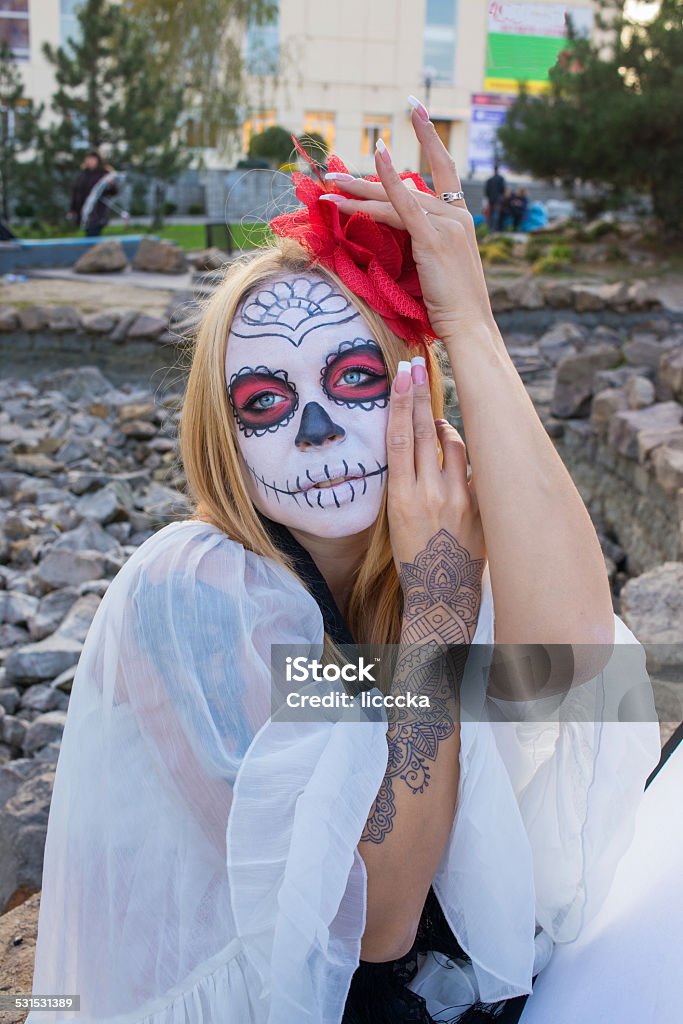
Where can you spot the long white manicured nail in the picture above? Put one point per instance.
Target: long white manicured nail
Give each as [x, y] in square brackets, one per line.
[418, 361]
[383, 151]
[420, 107]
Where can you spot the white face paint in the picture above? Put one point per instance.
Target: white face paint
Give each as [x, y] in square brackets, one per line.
[310, 395]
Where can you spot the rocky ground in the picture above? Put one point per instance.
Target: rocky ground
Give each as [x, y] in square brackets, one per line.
[88, 470]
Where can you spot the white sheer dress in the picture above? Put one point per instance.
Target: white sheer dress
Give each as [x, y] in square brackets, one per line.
[201, 862]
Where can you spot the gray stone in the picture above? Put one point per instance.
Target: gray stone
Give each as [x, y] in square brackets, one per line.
[63, 318]
[647, 350]
[64, 568]
[640, 392]
[99, 323]
[650, 440]
[8, 319]
[120, 332]
[44, 659]
[671, 372]
[82, 382]
[88, 536]
[32, 318]
[147, 327]
[563, 339]
[668, 463]
[9, 699]
[64, 680]
[51, 612]
[618, 377]
[79, 618]
[17, 608]
[139, 411]
[587, 298]
[41, 697]
[499, 297]
[604, 406]
[557, 294]
[103, 258]
[138, 430]
[526, 294]
[44, 729]
[13, 731]
[624, 427]
[209, 259]
[104, 505]
[27, 787]
[652, 608]
[159, 257]
[574, 380]
[641, 296]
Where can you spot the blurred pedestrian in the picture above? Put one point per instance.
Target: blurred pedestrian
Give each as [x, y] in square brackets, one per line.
[88, 203]
[519, 204]
[494, 190]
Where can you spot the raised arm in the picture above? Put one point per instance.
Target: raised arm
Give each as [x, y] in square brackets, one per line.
[438, 547]
[547, 572]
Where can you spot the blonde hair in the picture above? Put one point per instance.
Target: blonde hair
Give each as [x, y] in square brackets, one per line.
[210, 453]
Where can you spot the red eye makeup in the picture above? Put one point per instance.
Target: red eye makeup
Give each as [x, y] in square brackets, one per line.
[262, 399]
[356, 375]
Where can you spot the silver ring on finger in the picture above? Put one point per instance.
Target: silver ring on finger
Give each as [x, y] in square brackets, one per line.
[451, 197]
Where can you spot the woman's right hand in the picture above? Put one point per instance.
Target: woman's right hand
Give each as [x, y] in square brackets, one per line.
[435, 527]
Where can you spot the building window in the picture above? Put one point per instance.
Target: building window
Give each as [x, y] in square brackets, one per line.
[14, 27]
[11, 118]
[323, 122]
[262, 46]
[439, 41]
[257, 122]
[375, 126]
[200, 134]
[69, 27]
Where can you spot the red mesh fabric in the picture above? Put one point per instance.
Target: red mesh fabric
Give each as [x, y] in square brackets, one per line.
[374, 260]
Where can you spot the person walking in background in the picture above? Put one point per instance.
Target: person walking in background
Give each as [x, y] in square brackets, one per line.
[494, 190]
[87, 199]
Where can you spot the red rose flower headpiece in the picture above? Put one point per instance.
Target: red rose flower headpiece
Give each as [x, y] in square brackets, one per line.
[375, 261]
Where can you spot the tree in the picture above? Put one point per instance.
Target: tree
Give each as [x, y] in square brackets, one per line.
[201, 48]
[113, 91]
[612, 114]
[18, 129]
[314, 145]
[273, 144]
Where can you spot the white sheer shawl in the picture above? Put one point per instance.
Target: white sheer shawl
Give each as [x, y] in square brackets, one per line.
[201, 861]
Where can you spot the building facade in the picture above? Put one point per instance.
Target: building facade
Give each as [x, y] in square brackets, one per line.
[346, 69]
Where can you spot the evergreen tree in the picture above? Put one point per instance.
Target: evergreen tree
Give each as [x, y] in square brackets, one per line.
[273, 144]
[112, 91]
[18, 130]
[613, 112]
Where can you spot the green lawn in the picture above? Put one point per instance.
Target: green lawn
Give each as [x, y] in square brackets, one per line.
[188, 236]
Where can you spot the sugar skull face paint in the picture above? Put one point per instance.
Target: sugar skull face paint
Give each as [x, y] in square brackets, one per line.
[309, 391]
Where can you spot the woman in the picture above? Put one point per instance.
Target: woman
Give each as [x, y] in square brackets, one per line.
[213, 854]
[89, 192]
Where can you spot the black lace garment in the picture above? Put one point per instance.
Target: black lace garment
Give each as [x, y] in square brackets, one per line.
[378, 993]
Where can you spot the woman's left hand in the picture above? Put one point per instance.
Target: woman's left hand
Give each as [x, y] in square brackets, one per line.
[444, 242]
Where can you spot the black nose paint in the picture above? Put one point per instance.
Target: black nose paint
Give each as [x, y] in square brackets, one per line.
[316, 427]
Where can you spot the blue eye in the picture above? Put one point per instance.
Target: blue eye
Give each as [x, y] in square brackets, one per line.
[268, 400]
[353, 376]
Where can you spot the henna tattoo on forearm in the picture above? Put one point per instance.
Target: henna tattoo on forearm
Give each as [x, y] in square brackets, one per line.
[442, 593]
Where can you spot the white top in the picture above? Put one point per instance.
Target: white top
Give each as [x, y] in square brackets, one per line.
[201, 861]
[626, 964]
